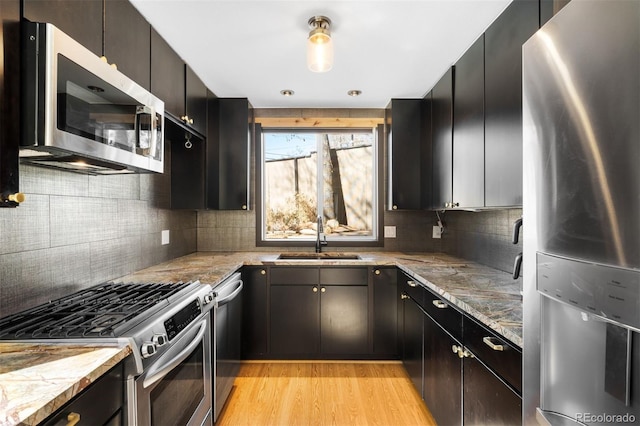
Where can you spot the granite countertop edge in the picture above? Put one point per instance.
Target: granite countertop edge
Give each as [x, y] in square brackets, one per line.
[36, 379]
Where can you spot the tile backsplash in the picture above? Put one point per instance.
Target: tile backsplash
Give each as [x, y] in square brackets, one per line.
[76, 230]
[484, 237]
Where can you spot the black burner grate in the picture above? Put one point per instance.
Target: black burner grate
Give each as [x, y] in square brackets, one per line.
[105, 310]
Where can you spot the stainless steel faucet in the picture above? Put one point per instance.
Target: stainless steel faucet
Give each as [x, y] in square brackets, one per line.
[321, 239]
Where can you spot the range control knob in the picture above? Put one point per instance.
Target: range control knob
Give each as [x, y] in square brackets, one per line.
[147, 349]
[159, 339]
[208, 298]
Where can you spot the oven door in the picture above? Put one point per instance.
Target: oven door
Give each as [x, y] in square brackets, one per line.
[176, 389]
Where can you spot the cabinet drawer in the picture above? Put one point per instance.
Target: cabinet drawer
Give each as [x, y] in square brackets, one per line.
[98, 404]
[343, 276]
[444, 314]
[412, 287]
[294, 275]
[503, 358]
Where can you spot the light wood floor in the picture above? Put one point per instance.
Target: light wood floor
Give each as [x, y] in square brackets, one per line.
[324, 393]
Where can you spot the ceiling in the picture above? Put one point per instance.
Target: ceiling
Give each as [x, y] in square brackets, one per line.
[385, 48]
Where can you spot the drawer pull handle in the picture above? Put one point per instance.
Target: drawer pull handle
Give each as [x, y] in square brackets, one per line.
[492, 342]
[412, 283]
[73, 419]
[461, 352]
[404, 296]
[440, 304]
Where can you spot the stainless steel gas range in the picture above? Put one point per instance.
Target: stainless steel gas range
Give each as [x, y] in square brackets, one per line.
[167, 325]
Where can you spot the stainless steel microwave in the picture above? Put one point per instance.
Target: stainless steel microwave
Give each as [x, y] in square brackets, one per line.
[81, 114]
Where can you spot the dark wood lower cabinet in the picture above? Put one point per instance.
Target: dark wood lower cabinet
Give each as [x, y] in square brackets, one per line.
[344, 319]
[254, 313]
[487, 400]
[442, 374]
[294, 324]
[412, 343]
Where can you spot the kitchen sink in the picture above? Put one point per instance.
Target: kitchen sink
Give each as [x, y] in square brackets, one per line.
[318, 256]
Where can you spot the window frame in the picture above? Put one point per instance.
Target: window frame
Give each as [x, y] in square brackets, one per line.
[376, 241]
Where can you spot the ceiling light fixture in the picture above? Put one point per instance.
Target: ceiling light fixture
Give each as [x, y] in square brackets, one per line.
[354, 93]
[319, 45]
[287, 92]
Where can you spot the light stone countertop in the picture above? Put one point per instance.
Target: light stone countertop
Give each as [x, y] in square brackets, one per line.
[36, 379]
[489, 295]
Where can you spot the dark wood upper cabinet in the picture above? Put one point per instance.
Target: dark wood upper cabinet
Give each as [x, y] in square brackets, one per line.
[195, 102]
[468, 128]
[167, 75]
[9, 100]
[442, 140]
[187, 165]
[231, 131]
[127, 41]
[406, 141]
[503, 102]
[81, 20]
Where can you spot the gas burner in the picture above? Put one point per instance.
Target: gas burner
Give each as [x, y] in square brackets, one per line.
[105, 310]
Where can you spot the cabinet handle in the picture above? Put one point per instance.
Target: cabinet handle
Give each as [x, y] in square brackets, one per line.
[377, 271]
[323, 289]
[394, 207]
[493, 343]
[461, 352]
[412, 283]
[73, 419]
[404, 296]
[263, 272]
[440, 304]
[315, 289]
[186, 119]
[244, 206]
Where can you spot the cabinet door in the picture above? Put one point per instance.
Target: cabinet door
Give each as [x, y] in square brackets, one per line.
[344, 319]
[196, 101]
[405, 144]
[254, 313]
[127, 41]
[235, 127]
[187, 164]
[442, 139]
[80, 20]
[468, 128]
[385, 312]
[294, 320]
[487, 400]
[442, 375]
[167, 75]
[412, 343]
[503, 102]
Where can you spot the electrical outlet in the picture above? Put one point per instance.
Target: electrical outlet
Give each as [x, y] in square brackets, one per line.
[389, 231]
[437, 232]
[164, 237]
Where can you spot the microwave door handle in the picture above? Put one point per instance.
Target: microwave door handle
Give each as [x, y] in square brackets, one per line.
[230, 297]
[153, 376]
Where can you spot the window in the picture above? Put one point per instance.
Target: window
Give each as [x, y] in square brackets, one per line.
[345, 196]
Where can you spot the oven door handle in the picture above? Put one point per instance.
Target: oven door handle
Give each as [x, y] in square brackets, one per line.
[156, 374]
[229, 298]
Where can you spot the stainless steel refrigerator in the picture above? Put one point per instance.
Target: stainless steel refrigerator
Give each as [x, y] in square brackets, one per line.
[581, 124]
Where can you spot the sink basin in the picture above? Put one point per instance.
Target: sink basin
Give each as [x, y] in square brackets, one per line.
[318, 256]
